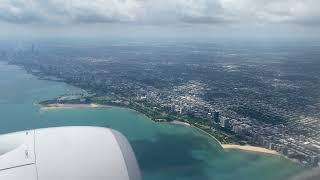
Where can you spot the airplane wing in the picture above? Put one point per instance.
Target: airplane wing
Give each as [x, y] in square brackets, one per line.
[67, 153]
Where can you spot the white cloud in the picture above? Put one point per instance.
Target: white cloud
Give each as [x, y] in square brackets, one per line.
[274, 11]
[161, 11]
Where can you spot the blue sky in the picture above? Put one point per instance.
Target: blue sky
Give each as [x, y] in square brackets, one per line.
[159, 17]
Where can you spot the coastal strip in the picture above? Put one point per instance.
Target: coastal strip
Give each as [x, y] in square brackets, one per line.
[177, 122]
[48, 107]
[53, 106]
[210, 135]
[240, 147]
[250, 148]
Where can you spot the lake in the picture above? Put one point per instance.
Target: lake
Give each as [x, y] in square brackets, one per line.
[164, 151]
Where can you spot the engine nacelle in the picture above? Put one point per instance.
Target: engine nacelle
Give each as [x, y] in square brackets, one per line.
[67, 153]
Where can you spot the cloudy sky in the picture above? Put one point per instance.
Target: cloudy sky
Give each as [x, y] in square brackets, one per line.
[160, 17]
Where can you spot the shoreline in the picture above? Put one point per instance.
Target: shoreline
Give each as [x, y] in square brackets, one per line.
[250, 148]
[177, 122]
[241, 147]
[53, 106]
[46, 108]
[208, 134]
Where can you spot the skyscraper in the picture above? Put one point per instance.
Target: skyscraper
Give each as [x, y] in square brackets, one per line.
[216, 117]
[225, 123]
[32, 48]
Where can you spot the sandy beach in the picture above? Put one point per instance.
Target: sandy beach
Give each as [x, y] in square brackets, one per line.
[249, 148]
[239, 147]
[67, 106]
[179, 123]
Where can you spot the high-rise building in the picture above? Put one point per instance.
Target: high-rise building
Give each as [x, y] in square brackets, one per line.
[32, 48]
[216, 117]
[225, 123]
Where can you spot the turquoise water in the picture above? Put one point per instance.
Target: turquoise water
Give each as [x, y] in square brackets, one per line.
[164, 151]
